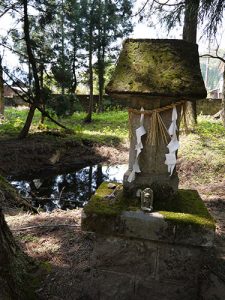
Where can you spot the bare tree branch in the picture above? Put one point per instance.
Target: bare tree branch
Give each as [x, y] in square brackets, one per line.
[30, 100]
[13, 6]
[213, 56]
[13, 50]
[168, 4]
[141, 9]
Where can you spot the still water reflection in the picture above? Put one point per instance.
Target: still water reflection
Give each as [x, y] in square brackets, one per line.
[68, 191]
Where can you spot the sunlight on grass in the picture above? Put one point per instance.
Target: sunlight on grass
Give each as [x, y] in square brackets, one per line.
[205, 148]
[110, 127]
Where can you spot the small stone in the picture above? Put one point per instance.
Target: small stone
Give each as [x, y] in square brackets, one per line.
[112, 186]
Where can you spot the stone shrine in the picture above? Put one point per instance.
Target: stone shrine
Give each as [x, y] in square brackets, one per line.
[153, 252]
[153, 74]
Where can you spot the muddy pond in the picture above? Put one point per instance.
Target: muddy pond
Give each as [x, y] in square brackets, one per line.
[69, 190]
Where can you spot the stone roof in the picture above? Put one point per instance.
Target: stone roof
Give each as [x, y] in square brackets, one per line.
[156, 67]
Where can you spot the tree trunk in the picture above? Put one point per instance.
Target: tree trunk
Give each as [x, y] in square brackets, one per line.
[62, 44]
[32, 61]
[90, 175]
[26, 127]
[99, 175]
[190, 20]
[42, 100]
[223, 98]
[13, 266]
[101, 73]
[100, 82]
[74, 84]
[190, 35]
[88, 118]
[2, 106]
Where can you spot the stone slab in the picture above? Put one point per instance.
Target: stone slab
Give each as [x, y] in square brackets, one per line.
[149, 226]
[108, 285]
[123, 268]
[125, 256]
[159, 290]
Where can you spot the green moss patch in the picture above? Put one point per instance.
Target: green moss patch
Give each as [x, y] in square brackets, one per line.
[158, 67]
[103, 213]
[185, 208]
[101, 204]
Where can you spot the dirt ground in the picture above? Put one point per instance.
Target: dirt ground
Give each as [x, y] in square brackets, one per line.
[37, 155]
[56, 238]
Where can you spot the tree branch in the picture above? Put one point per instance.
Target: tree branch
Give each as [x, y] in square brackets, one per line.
[30, 100]
[7, 9]
[141, 9]
[168, 4]
[13, 50]
[213, 56]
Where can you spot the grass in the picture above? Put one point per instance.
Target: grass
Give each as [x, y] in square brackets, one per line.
[108, 128]
[205, 149]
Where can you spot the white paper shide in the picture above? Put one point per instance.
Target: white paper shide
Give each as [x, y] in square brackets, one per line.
[173, 144]
[140, 131]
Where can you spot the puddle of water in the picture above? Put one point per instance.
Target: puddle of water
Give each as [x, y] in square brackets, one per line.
[67, 191]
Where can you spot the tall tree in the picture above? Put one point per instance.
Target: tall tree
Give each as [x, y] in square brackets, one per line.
[1, 88]
[192, 12]
[114, 21]
[32, 61]
[222, 61]
[190, 35]
[91, 24]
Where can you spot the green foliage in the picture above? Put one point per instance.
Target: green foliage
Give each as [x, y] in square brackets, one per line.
[64, 105]
[14, 120]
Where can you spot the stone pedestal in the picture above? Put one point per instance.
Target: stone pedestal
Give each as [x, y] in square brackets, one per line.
[141, 255]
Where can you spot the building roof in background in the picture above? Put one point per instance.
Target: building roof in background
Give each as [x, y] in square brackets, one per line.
[10, 91]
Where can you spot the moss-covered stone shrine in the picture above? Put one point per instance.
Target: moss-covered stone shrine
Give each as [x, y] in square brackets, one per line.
[152, 238]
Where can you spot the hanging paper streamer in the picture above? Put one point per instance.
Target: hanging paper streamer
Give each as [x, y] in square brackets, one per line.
[140, 131]
[173, 144]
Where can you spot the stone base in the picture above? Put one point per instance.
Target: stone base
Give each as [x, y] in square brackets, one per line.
[141, 255]
[140, 269]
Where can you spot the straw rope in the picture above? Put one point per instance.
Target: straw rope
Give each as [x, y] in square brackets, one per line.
[157, 127]
[158, 110]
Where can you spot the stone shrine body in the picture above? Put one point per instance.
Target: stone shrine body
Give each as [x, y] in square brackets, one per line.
[153, 75]
[151, 237]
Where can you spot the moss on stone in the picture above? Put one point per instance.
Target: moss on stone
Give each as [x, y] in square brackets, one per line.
[185, 208]
[100, 204]
[103, 213]
[158, 68]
